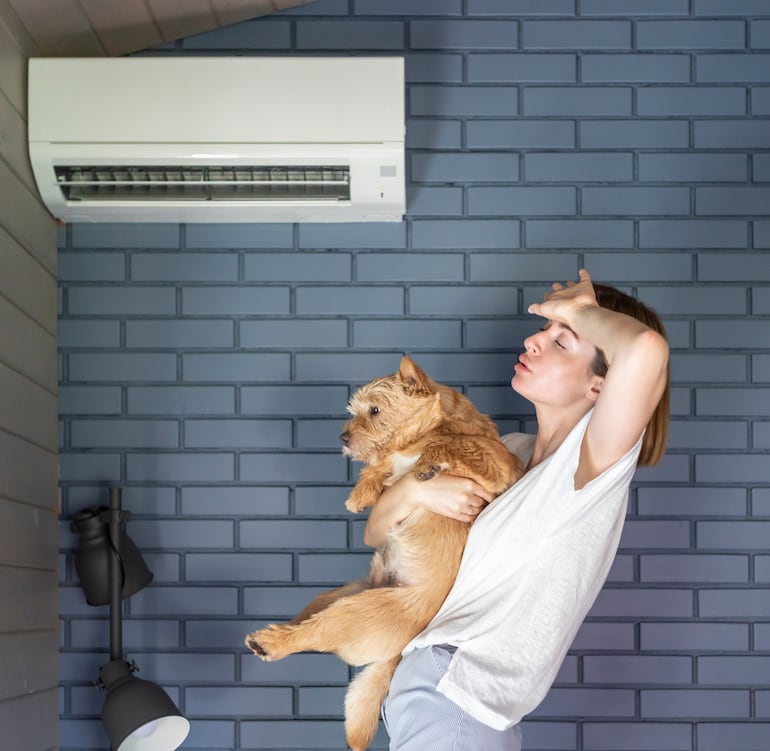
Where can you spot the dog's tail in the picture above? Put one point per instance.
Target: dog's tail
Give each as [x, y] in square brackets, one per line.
[363, 700]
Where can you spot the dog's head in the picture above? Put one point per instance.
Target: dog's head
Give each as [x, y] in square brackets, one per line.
[406, 402]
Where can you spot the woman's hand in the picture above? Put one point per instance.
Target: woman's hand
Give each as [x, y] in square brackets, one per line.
[561, 304]
[455, 497]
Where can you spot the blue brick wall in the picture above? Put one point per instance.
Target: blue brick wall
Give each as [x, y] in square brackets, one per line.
[206, 368]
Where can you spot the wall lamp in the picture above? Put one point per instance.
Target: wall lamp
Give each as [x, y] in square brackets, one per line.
[137, 715]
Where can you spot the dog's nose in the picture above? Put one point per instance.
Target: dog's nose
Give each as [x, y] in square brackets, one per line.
[345, 438]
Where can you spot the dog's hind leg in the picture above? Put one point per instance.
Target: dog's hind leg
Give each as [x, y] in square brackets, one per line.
[363, 700]
[322, 601]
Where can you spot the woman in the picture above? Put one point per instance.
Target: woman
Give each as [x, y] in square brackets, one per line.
[536, 558]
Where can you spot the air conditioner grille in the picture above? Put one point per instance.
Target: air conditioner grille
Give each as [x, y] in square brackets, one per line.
[205, 183]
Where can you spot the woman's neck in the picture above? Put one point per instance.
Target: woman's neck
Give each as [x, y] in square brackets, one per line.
[553, 426]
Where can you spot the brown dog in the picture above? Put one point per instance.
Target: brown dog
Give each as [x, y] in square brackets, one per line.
[400, 423]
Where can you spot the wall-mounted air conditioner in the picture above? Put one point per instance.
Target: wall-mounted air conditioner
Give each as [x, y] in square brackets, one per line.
[213, 139]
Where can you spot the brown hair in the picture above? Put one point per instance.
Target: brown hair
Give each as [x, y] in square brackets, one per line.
[654, 442]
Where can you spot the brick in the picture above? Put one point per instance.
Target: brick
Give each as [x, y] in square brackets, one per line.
[173, 467]
[348, 367]
[433, 134]
[731, 468]
[519, 267]
[232, 501]
[124, 434]
[692, 300]
[137, 633]
[761, 170]
[408, 333]
[470, 34]
[760, 369]
[762, 568]
[736, 669]
[216, 434]
[761, 435]
[733, 201]
[688, 100]
[741, 68]
[179, 333]
[234, 567]
[651, 534]
[731, 134]
[692, 233]
[249, 35]
[303, 668]
[586, 702]
[695, 703]
[467, 233]
[350, 299]
[332, 569]
[321, 501]
[639, 603]
[579, 233]
[292, 467]
[274, 734]
[634, 7]
[347, 35]
[353, 235]
[211, 734]
[751, 334]
[724, 736]
[114, 301]
[598, 167]
[226, 701]
[627, 201]
[732, 535]
[212, 633]
[693, 168]
[523, 67]
[693, 501]
[294, 399]
[423, 201]
[637, 736]
[739, 603]
[731, 7]
[580, 34]
[122, 367]
[174, 668]
[249, 300]
[551, 735]
[321, 701]
[112, 235]
[604, 636]
[320, 8]
[167, 601]
[625, 669]
[695, 434]
[262, 235]
[91, 467]
[760, 100]
[732, 267]
[318, 434]
[520, 134]
[164, 400]
[627, 68]
[293, 334]
[761, 638]
[92, 400]
[428, 67]
[471, 167]
[690, 34]
[634, 134]
[91, 267]
[229, 367]
[468, 101]
[519, 7]
[585, 100]
[182, 533]
[73, 334]
[184, 267]
[410, 267]
[688, 637]
[694, 568]
[530, 200]
[760, 301]
[471, 300]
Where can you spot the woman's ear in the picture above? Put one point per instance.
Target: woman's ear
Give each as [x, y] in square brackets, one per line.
[594, 388]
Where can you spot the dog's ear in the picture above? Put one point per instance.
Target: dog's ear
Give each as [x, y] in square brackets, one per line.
[412, 377]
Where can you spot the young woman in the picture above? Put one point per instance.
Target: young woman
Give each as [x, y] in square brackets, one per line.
[538, 555]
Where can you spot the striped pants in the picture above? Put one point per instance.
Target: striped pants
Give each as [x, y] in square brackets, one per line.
[419, 718]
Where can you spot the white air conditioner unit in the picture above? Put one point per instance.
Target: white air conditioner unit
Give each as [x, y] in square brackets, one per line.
[219, 139]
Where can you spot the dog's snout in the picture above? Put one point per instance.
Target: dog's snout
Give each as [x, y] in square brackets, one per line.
[345, 438]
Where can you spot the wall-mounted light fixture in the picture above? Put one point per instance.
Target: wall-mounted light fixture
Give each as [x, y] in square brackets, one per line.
[137, 715]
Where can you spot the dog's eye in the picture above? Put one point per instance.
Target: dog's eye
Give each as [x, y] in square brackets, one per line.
[374, 410]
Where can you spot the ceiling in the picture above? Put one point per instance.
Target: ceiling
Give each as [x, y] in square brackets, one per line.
[99, 28]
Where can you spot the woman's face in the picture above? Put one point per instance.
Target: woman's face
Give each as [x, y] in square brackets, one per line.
[555, 367]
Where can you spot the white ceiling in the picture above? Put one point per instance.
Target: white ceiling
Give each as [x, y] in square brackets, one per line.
[99, 28]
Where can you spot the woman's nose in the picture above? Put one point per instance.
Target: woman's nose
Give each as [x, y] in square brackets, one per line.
[532, 343]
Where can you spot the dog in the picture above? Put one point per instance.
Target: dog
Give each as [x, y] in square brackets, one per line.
[400, 423]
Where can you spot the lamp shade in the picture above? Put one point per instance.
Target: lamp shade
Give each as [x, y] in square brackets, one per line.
[92, 558]
[139, 715]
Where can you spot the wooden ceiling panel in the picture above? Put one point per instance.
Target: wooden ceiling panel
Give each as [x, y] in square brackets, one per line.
[59, 27]
[123, 26]
[198, 18]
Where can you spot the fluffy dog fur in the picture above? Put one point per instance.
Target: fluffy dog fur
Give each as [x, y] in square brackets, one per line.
[400, 423]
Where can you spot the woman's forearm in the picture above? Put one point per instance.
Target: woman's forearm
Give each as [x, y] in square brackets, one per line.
[392, 508]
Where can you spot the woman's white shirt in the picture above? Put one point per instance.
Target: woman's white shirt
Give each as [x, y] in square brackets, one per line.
[535, 560]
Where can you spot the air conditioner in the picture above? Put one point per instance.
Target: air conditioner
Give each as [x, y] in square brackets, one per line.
[219, 139]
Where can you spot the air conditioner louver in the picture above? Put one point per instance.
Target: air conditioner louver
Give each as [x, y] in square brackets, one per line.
[209, 183]
[218, 139]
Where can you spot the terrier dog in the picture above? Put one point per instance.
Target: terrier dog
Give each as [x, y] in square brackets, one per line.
[400, 423]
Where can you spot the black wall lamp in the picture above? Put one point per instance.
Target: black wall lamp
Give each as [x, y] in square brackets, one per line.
[137, 715]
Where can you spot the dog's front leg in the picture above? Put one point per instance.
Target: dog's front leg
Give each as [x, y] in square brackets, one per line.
[367, 490]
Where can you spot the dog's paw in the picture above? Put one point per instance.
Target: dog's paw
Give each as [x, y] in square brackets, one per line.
[267, 643]
[429, 473]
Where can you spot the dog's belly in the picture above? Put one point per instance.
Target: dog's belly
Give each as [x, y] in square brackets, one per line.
[400, 465]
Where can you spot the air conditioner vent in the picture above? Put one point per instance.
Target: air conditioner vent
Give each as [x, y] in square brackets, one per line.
[204, 183]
